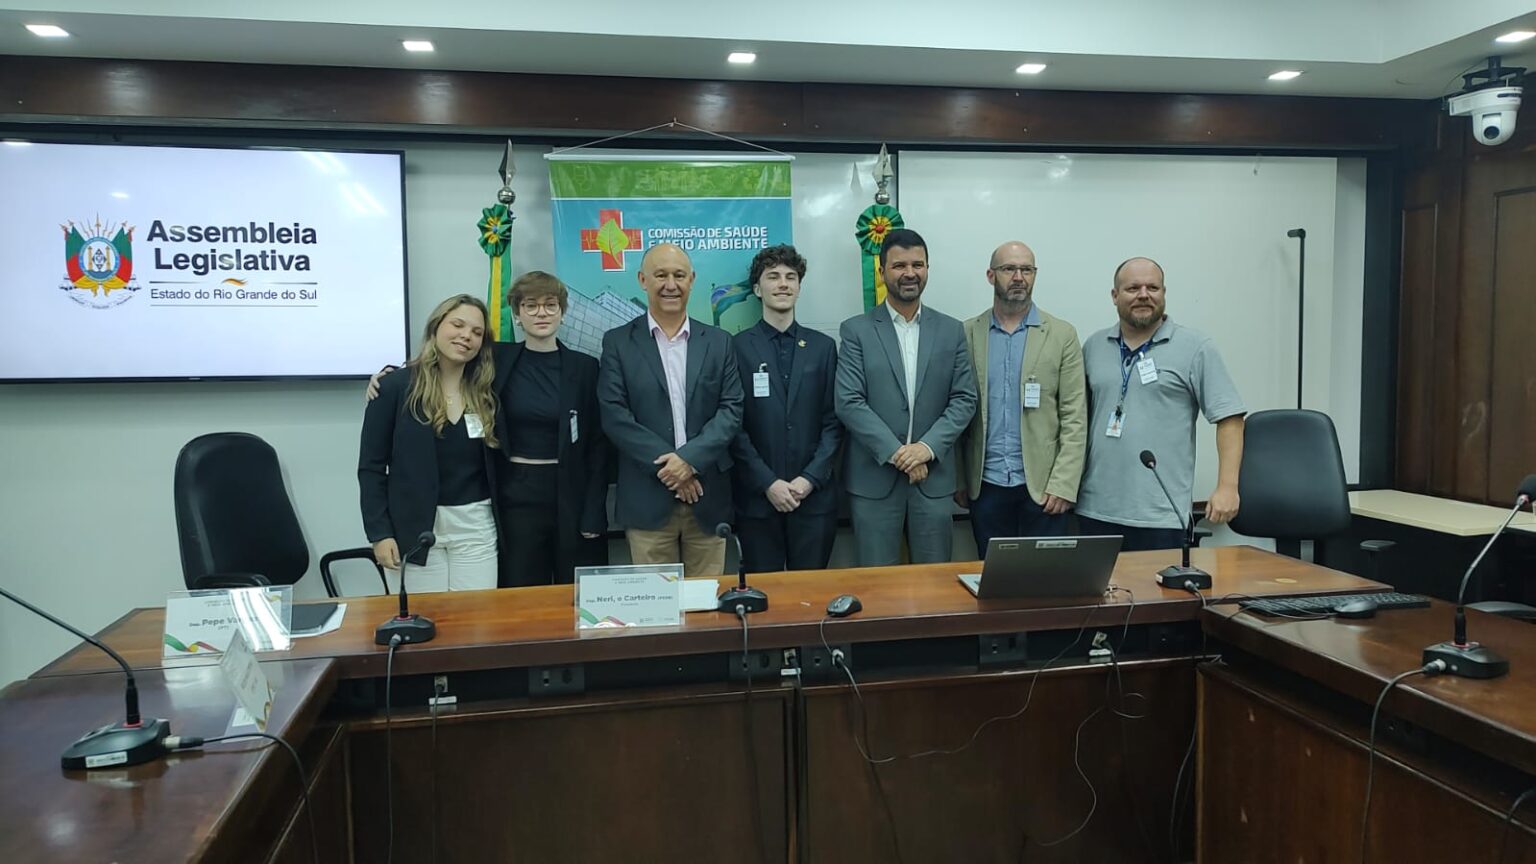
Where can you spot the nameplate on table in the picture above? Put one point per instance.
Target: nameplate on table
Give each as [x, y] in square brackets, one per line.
[201, 623]
[249, 684]
[636, 595]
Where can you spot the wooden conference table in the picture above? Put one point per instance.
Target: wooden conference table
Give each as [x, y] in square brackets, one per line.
[995, 733]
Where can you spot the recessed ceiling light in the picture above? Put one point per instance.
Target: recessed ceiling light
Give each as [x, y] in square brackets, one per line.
[741, 58]
[418, 45]
[12, 142]
[1030, 68]
[1517, 36]
[1284, 75]
[47, 31]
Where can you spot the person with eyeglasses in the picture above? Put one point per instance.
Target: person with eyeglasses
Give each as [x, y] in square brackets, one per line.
[1022, 455]
[1148, 380]
[552, 489]
[551, 481]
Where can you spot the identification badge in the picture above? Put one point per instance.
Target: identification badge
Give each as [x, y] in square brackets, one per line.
[473, 426]
[1116, 425]
[574, 433]
[1032, 394]
[1147, 370]
[760, 384]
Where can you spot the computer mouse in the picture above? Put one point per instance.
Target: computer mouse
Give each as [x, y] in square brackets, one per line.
[1357, 609]
[844, 605]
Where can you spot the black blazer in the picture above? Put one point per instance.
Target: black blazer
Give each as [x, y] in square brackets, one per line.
[637, 418]
[582, 498]
[788, 432]
[397, 468]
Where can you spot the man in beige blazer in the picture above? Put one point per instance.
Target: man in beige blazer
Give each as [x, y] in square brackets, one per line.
[1022, 455]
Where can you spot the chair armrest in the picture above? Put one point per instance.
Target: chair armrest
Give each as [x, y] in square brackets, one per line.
[1505, 609]
[211, 581]
[1201, 534]
[1373, 547]
[362, 553]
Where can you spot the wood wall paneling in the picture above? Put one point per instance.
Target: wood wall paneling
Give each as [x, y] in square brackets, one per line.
[1512, 388]
[1415, 369]
[149, 92]
[1467, 367]
[1443, 348]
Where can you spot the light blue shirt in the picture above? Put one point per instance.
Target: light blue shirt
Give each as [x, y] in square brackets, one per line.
[1003, 464]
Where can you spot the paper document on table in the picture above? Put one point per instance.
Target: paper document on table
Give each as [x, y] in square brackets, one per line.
[701, 595]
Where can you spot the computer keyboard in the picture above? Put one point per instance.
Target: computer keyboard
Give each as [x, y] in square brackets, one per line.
[1304, 606]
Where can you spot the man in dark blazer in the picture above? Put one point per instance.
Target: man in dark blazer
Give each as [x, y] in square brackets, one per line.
[786, 502]
[906, 392]
[671, 405]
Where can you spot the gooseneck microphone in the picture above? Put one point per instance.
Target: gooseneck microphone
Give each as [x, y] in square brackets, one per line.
[410, 628]
[742, 597]
[130, 742]
[1469, 659]
[1183, 575]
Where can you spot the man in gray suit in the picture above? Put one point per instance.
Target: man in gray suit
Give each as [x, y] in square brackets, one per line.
[671, 404]
[905, 392]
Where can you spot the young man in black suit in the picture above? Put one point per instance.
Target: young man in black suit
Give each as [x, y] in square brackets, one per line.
[786, 499]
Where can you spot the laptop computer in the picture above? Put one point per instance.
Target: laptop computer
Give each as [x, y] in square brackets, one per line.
[1023, 567]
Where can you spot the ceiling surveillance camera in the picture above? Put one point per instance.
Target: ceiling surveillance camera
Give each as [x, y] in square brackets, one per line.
[1492, 111]
[1491, 98]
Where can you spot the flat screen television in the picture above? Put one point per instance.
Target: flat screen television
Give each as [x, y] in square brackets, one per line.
[173, 263]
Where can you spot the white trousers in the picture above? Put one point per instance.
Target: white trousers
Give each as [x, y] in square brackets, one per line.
[464, 556]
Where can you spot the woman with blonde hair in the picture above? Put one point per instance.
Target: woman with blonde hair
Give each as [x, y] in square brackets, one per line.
[426, 462]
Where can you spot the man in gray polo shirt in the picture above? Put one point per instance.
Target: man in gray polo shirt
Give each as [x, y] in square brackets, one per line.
[1148, 379]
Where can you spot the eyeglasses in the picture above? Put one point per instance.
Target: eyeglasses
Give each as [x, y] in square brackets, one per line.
[1016, 269]
[548, 307]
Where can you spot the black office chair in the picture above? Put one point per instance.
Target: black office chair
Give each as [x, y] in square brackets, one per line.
[235, 522]
[1292, 484]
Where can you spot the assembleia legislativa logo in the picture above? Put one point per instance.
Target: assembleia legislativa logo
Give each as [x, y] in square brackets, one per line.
[98, 264]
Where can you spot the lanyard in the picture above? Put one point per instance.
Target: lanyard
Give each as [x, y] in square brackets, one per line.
[1128, 361]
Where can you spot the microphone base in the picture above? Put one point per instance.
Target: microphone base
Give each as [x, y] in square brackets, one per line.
[118, 745]
[410, 629]
[1467, 661]
[748, 598]
[1175, 576]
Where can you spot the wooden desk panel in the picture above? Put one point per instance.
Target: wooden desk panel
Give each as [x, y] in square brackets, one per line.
[226, 804]
[650, 776]
[1017, 786]
[536, 626]
[1282, 779]
[1357, 658]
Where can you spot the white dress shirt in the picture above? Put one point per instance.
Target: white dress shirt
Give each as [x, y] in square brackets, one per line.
[906, 338]
[674, 362]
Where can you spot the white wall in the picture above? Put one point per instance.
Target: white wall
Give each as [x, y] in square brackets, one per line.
[1216, 223]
